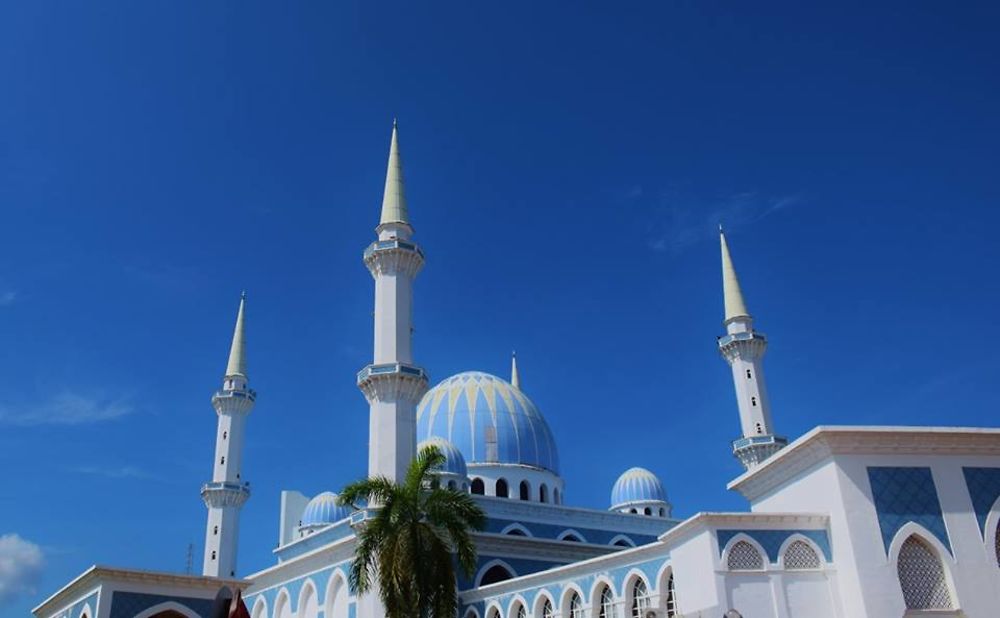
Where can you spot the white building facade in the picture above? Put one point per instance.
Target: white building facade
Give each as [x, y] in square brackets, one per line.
[843, 522]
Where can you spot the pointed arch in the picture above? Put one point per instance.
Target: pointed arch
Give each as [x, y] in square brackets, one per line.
[637, 594]
[336, 600]
[493, 572]
[924, 577]
[516, 529]
[991, 533]
[86, 612]
[472, 612]
[622, 540]
[308, 605]
[602, 589]
[744, 553]
[572, 602]
[168, 606]
[571, 535]
[493, 610]
[799, 552]
[259, 607]
[517, 606]
[283, 605]
[666, 590]
[544, 605]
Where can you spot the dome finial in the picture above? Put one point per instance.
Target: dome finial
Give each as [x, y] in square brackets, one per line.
[237, 365]
[731, 293]
[515, 377]
[393, 197]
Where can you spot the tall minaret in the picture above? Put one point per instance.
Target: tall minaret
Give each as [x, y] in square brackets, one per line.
[744, 349]
[392, 383]
[227, 492]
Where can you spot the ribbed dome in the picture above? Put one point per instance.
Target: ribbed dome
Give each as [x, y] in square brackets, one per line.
[323, 510]
[454, 462]
[637, 485]
[488, 420]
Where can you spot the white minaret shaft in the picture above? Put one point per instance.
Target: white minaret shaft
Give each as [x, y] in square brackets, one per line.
[392, 383]
[743, 349]
[227, 492]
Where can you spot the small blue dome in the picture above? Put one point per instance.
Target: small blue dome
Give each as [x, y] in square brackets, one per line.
[454, 463]
[323, 509]
[488, 420]
[637, 485]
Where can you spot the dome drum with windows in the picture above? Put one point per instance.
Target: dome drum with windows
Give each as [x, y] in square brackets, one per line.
[639, 492]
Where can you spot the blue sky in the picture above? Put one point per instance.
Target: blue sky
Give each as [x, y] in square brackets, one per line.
[566, 167]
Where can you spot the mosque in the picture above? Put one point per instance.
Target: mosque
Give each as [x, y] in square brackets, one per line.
[843, 522]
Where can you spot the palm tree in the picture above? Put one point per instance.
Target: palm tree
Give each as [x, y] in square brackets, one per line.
[409, 543]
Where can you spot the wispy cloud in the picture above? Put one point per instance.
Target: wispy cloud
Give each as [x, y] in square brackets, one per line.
[7, 298]
[21, 564]
[684, 221]
[65, 409]
[114, 472]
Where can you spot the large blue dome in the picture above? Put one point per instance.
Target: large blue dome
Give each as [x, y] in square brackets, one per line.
[637, 485]
[475, 411]
[323, 509]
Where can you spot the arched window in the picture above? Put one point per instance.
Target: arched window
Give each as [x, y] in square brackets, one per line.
[525, 491]
[478, 487]
[607, 607]
[521, 612]
[647, 511]
[921, 576]
[744, 557]
[748, 374]
[640, 598]
[543, 493]
[502, 491]
[997, 543]
[671, 601]
[571, 538]
[494, 613]
[547, 611]
[575, 606]
[633, 511]
[494, 574]
[800, 555]
[623, 543]
[555, 495]
[452, 485]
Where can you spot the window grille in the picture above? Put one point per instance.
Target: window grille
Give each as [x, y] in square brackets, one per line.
[640, 599]
[521, 612]
[575, 606]
[921, 576]
[607, 609]
[671, 598]
[744, 557]
[800, 555]
[547, 611]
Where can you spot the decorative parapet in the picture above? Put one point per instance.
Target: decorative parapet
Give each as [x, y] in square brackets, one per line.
[221, 494]
[737, 345]
[393, 257]
[393, 382]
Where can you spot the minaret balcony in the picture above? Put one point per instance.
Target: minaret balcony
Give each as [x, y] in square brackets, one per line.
[743, 344]
[392, 382]
[248, 394]
[219, 494]
[393, 256]
[753, 450]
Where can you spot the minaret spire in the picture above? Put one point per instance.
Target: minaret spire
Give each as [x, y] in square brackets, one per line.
[237, 365]
[393, 383]
[731, 293]
[515, 378]
[226, 493]
[394, 197]
[743, 348]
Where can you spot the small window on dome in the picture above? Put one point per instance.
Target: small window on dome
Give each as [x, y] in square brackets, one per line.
[502, 490]
[647, 511]
[525, 491]
[555, 496]
[543, 493]
[633, 511]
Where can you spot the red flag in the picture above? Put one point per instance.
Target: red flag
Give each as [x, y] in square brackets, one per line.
[237, 608]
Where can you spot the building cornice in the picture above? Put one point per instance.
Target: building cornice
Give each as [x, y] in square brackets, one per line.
[98, 574]
[541, 513]
[825, 441]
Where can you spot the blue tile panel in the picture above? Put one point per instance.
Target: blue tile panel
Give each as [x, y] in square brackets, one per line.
[903, 495]
[771, 540]
[984, 489]
[128, 604]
